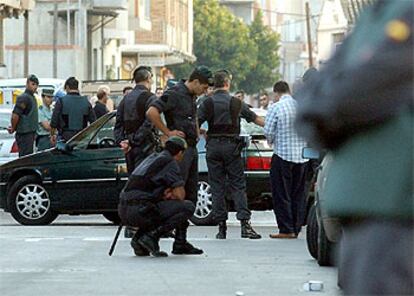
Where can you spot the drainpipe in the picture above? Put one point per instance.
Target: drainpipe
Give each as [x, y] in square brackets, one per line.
[26, 44]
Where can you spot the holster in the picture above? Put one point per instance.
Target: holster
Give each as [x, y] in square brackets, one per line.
[240, 144]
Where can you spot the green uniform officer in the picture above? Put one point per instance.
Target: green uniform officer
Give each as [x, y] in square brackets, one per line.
[360, 107]
[72, 112]
[24, 117]
[45, 115]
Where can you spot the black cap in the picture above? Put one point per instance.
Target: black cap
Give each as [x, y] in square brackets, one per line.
[48, 92]
[33, 78]
[205, 73]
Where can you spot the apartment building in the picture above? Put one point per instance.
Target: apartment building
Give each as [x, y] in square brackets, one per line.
[102, 39]
[337, 20]
[10, 9]
[164, 37]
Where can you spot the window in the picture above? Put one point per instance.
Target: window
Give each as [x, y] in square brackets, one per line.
[146, 5]
[338, 37]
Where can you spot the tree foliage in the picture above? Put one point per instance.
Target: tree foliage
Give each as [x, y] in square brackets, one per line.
[264, 73]
[222, 41]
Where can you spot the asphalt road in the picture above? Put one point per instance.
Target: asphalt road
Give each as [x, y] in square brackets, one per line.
[70, 257]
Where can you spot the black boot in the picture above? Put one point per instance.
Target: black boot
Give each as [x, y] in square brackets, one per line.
[181, 246]
[150, 240]
[138, 250]
[129, 232]
[222, 230]
[247, 230]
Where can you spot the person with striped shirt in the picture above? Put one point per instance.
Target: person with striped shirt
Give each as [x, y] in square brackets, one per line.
[288, 168]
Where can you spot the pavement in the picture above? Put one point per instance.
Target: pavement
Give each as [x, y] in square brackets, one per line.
[70, 257]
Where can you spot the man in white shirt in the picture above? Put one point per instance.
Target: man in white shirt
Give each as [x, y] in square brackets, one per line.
[288, 168]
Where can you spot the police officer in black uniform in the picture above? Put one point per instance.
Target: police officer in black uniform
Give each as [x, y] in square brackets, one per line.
[72, 112]
[178, 104]
[133, 132]
[25, 116]
[153, 198]
[224, 162]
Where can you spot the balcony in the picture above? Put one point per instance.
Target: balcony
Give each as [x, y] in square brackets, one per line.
[109, 4]
[12, 8]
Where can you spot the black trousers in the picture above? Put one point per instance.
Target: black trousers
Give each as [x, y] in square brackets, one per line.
[168, 214]
[189, 171]
[224, 163]
[287, 180]
[25, 142]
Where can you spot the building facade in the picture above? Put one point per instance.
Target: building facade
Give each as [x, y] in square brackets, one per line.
[337, 20]
[10, 9]
[102, 39]
[165, 37]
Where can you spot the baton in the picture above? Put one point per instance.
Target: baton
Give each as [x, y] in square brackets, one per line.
[111, 250]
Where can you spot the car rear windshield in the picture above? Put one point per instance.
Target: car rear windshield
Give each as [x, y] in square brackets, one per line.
[250, 128]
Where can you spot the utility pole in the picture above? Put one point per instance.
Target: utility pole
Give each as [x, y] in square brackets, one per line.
[102, 48]
[55, 24]
[308, 29]
[1, 42]
[26, 44]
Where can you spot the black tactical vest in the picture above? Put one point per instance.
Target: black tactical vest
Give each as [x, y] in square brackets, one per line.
[223, 116]
[134, 109]
[75, 111]
[141, 179]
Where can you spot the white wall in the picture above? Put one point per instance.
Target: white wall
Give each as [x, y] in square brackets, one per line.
[332, 22]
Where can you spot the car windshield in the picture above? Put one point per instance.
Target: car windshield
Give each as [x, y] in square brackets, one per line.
[101, 128]
[250, 128]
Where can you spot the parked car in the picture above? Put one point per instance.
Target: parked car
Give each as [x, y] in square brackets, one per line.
[8, 146]
[86, 174]
[323, 231]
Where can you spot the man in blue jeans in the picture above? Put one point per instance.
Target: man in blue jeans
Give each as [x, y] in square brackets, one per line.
[288, 168]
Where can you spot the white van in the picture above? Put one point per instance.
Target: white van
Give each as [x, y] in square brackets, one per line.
[11, 88]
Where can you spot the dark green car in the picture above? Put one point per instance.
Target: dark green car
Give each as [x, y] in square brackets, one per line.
[86, 175]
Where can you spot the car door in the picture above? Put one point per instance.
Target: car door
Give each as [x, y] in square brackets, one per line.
[86, 177]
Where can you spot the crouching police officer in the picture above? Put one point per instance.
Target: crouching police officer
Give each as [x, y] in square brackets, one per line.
[223, 112]
[153, 199]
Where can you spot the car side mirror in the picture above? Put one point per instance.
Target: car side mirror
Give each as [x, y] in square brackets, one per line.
[310, 153]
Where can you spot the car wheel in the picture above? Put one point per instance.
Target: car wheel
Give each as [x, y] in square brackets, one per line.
[204, 207]
[30, 203]
[325, 249]
[312, 233]
[112, 217]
